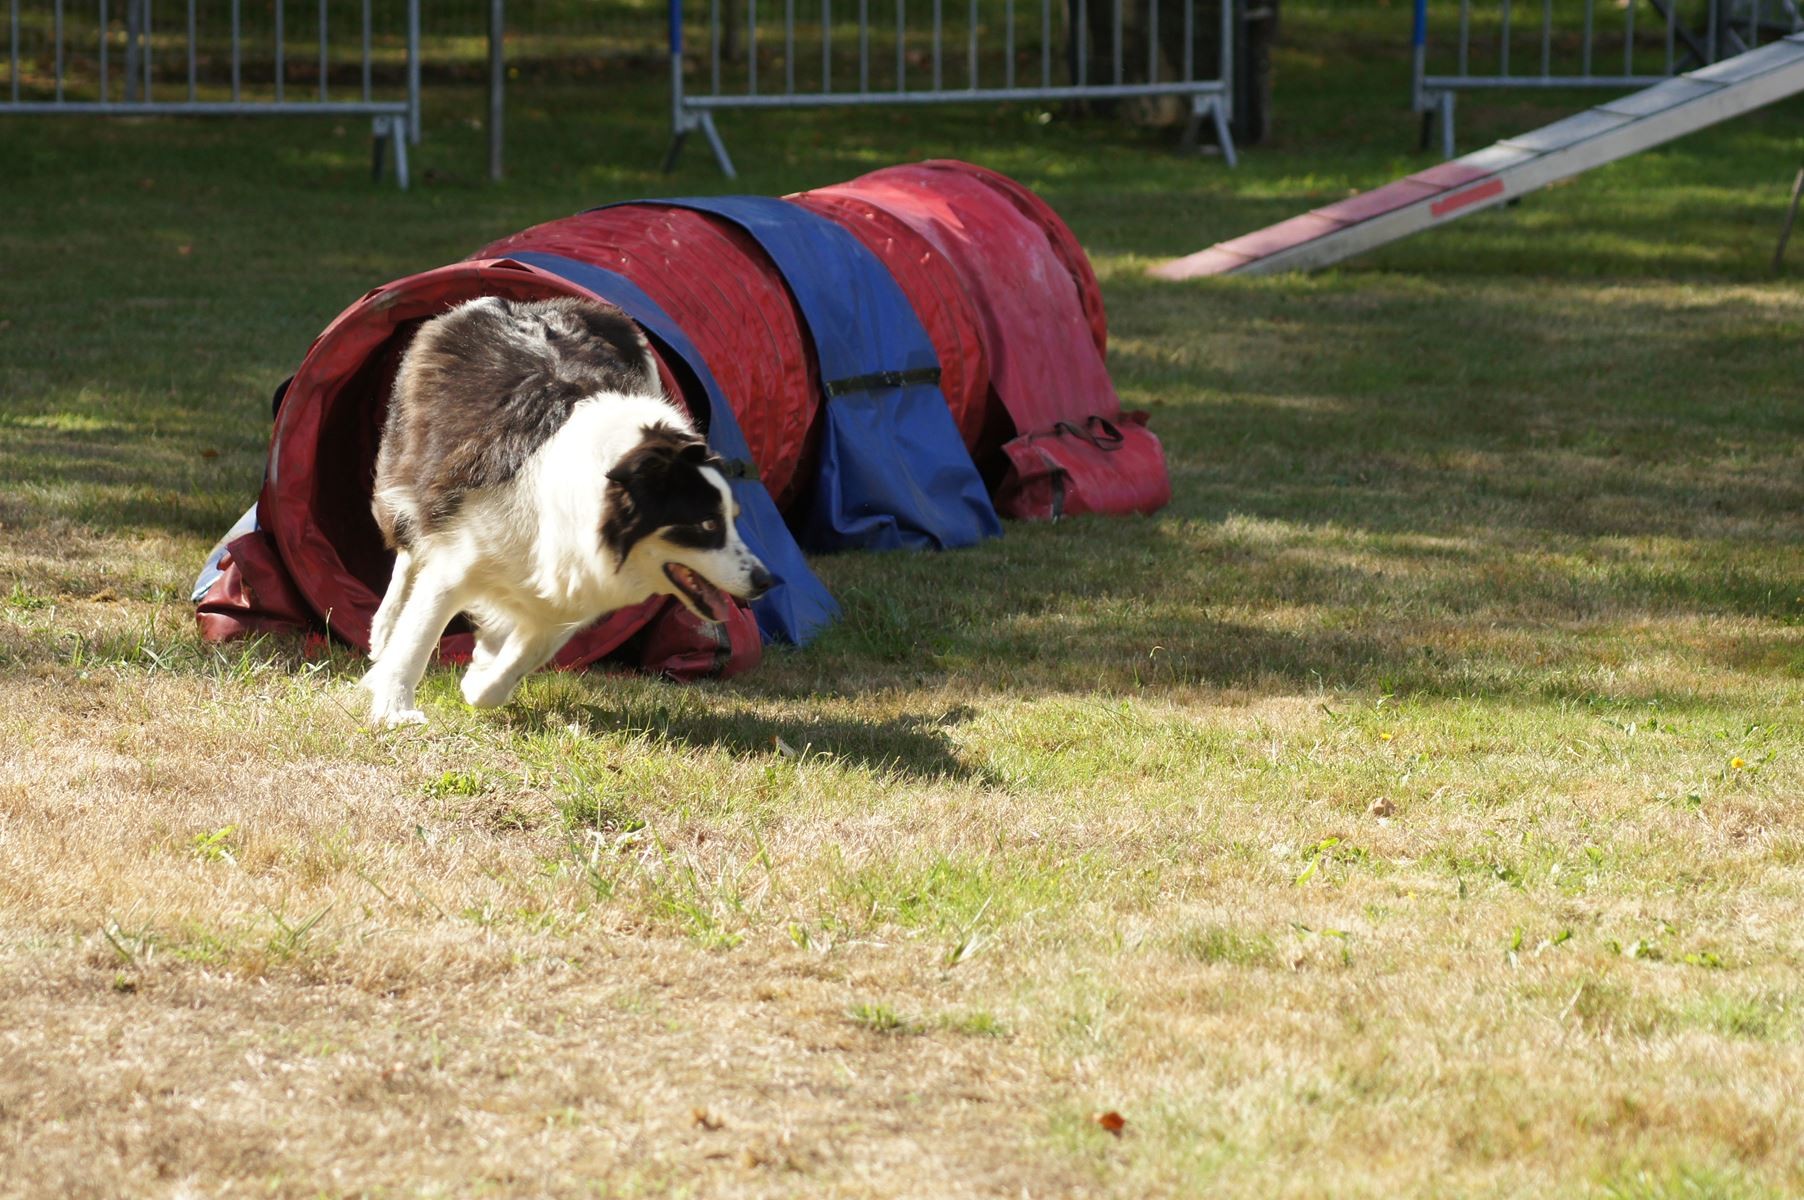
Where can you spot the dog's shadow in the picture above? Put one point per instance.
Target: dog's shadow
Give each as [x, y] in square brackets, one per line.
[916, 745]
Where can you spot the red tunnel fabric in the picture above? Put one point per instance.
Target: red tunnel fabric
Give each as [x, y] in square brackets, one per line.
[1004, 291]
[1043, 334]
[1064, 242]
[727, 295]
[315, 504]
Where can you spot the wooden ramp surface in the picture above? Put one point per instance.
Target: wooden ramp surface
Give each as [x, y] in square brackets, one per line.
[1513, 167]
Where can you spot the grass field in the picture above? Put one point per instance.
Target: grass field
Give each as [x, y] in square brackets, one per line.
[1410, 809]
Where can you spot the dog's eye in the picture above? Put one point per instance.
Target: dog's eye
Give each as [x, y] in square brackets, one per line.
[711, 525]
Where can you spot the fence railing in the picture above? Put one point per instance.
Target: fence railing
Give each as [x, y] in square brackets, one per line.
[1619, 44]
[765, 54]
[219, 58]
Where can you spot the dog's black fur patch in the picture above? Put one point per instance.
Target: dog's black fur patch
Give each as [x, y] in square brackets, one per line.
[659, 485]
[485, 386]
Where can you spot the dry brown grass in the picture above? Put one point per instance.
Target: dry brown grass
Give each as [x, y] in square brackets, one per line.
[388, 977]
[173, 1022]
[1411, 809]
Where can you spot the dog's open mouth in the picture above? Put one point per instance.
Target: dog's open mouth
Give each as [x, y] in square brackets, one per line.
[707, 600]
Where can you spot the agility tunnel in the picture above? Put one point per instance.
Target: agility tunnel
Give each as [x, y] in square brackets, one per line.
[889, 363]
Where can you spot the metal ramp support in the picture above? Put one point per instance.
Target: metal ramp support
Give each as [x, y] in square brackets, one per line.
[1513, 167]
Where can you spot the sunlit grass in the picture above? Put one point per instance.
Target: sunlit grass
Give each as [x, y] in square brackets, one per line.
[1408, 809]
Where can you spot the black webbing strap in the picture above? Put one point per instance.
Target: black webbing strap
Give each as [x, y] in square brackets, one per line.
[882, 379]
[1098, 431]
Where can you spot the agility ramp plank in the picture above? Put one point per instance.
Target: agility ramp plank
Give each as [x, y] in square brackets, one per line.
[1513, 167]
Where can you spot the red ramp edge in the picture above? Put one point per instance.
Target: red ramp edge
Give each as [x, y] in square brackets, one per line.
[1613, 130]
[1321, 224]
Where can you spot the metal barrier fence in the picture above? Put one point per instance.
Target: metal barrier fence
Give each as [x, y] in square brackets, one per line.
[219, 58]
[1618, 44]
[766, 54]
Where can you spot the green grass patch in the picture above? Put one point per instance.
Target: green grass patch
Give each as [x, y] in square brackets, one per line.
[1408, 809]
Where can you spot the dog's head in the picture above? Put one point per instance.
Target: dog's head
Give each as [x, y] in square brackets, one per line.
[670, 509]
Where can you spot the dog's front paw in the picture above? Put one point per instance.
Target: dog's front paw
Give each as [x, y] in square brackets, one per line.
[390, 707]
[484, 690]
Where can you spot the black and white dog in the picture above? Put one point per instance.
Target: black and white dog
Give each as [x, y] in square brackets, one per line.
[533, 475]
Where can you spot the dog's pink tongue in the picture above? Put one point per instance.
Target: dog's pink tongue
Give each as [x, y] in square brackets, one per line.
[710, 599]
[714, 601]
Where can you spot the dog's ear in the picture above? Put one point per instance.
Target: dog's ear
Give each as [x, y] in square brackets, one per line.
[663, 450]
[625, 473]
[637, 472]
[700, 454]
[690, 453]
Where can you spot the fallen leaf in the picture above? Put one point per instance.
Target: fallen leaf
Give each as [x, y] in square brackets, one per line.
[1381, 807]
[706, 1119]
[209, 454]
[184, 250]
[1112, 1121]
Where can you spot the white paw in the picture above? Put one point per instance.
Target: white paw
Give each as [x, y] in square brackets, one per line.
[390, 707]
[486, 691]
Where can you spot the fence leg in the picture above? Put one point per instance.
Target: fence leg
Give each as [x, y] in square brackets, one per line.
[400, 127]
[719, 147]
[1437, 108]
[1223, 136]
[386, 134]
[1791, 214]
[1210, 108]
[705, 122]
